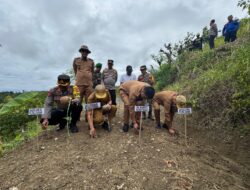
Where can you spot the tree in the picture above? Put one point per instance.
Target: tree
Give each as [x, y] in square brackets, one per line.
[244, 4]
[205, 34]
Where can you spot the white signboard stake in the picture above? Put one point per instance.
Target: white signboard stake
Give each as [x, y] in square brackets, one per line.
[141, 109]
[92, 106]
[185, 112]
[36, 112]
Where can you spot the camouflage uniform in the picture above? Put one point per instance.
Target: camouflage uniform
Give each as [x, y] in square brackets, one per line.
[97, 78]
[148, 78]
[57, 114]
[109, 79]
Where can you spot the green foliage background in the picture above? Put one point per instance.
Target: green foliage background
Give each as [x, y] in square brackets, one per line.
[216, 82]
[15, 124]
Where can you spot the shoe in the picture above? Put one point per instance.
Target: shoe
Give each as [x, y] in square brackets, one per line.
[62, 125]
[158, 126]
[143, 115]
[150, 117]
[106, 127]
[131, 125]
[73, 128]
[125, 128]
[165, 126]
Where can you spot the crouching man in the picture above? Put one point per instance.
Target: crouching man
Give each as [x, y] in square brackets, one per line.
[134, 93]
[97, 116]
[66, 97]
[171, 101]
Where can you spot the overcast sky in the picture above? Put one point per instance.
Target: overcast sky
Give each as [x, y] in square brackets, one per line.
[40, 38]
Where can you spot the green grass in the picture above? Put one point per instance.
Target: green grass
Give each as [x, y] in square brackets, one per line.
[216, 82]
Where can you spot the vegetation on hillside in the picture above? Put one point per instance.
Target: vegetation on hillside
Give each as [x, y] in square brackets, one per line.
[216, 82]
[15, 124]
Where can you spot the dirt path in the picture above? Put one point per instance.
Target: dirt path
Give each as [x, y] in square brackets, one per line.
[115, 161]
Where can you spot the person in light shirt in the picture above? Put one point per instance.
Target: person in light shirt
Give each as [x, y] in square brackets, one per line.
[128, 76]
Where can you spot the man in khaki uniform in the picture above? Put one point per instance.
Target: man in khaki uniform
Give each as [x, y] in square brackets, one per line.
[148, 78]
[170, 100]
[96, 117]
[134, 93]
[84, 68]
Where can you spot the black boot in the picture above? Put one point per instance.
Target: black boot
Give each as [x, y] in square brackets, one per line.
[165, 126]
[150, 116]
[158, 126]
[106, 126]
[62, 125]
[125, 128]
[73, 128]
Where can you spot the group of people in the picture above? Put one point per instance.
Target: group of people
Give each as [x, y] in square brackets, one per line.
[229, 30]
[99, 87]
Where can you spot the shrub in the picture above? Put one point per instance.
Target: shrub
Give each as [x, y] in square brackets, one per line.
[14, 114]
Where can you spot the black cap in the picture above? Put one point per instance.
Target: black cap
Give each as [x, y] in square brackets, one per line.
[129, 67]
[143, 67]
[63, 77]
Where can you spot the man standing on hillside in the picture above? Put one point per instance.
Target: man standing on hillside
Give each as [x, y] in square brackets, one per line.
[110, 76]
[213, 32]
[148, 78]
[128, 76]
[66, 97]
[84, 68]
[171, 101]
[134, 93]
[97, 76]
[230, 29]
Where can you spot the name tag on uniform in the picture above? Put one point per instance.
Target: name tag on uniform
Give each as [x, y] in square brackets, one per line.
[184, 111]
[36, 111]
[141, 108]
[92, 106]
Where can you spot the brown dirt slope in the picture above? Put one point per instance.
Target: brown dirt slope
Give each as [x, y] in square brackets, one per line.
[115, 161]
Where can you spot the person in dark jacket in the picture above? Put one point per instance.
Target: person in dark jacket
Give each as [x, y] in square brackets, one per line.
[230, 29]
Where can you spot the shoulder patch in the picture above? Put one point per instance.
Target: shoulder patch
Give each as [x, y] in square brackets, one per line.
[51, 91]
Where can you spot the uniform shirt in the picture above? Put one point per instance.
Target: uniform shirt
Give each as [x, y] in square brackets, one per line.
[125, 78]
[54, 95]
[109, 78]
[93, 99]
[84, 71]
[134, 90]
[164, 98]
[148, 78]
[97, 78]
